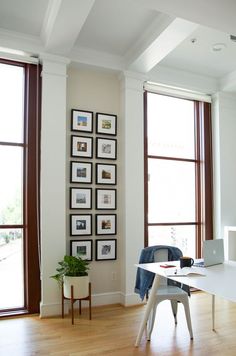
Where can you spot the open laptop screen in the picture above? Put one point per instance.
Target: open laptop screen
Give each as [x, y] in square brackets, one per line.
[213, 252]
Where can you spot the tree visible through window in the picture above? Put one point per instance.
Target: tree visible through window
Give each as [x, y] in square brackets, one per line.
[11, 186]
[18, 210]
[175, 176]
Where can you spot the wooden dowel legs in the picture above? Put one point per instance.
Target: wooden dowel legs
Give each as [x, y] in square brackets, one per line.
[62, 301]
[73, 300]
[72, 304]
[90, 306]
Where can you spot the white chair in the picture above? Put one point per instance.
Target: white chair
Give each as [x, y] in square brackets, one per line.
[168, 292]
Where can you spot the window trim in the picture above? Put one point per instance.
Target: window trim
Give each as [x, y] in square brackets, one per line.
[31, 165]
[204, 173]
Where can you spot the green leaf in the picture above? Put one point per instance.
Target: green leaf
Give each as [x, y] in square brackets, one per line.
[71, 266]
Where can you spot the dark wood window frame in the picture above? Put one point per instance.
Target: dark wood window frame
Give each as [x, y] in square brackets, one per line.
[204, 174]
[31, 218]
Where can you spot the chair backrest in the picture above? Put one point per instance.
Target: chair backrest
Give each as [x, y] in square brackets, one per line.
[144, 279]
[161, 256]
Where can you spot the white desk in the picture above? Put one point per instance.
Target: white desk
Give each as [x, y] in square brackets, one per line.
[219, 281]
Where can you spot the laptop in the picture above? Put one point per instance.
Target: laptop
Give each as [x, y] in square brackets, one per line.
[213, 252]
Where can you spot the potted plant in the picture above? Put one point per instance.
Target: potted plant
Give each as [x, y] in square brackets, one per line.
[73, 271]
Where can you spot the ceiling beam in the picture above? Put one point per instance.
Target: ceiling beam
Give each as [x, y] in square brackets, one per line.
[217, 14]
[62, 24]
[228, 82]
[171, 32]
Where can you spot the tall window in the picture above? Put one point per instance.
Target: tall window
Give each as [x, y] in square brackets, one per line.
[19, 126]
[178, 190]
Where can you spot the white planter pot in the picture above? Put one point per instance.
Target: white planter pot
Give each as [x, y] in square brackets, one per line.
[80, 287]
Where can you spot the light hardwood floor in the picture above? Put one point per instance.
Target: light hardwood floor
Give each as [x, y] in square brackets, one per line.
[113, 330]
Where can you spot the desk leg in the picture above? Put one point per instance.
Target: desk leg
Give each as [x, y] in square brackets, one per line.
[149, 306]
[213, 311]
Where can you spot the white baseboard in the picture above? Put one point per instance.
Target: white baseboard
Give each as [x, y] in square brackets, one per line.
[106, 298]
[47, 310]
[130, 299]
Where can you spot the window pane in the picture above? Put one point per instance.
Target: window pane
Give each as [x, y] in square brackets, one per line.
[11, 269]
[182, 237]
[11, 108]
[171, 191]
[170, 126]
[11, 185]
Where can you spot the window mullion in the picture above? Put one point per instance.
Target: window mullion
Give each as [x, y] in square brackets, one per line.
[202, 183]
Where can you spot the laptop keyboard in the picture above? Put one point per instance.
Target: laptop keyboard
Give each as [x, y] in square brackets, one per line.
[199, 264]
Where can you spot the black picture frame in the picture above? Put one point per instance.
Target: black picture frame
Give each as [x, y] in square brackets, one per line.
[80, 224]
[106, 173]
[81, 172]
[106, 124]
[81, 198]
[105, 199]
[82, 248]
[106, 250]
[81, 120]
[106, 224]
[81, 146]
[106, 148]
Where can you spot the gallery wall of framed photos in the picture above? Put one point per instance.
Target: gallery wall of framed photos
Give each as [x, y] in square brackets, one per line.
[93, 180]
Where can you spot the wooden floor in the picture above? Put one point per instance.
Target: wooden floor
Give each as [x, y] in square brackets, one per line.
[113, 331]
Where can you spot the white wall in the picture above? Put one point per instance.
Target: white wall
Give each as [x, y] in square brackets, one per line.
[98, 91]
[101, 91]
[133, 182]
[53, 169]
[182, 79]
[224, 121]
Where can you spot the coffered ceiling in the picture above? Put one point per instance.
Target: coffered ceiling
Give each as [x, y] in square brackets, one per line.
[135, 35]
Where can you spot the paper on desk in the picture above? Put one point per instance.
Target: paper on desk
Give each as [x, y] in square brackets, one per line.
[186, 271]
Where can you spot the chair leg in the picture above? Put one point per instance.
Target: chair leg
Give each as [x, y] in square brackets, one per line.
[151, 320]
[188, 317]
[213, 311]
[79, 307]
[72, 304]
[174, 306]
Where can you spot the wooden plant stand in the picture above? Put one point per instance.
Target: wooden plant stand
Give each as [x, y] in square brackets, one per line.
[73, 300]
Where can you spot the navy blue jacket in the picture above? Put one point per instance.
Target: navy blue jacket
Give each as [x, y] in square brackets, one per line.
[144, 279]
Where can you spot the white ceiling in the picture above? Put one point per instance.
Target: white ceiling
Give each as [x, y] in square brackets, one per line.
[136, 35]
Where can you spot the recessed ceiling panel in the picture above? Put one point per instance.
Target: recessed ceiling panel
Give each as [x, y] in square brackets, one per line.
[197, 55]
[113, 26]
[25, 16]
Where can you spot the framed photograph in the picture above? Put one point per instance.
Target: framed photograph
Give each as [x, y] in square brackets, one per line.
[106, 199]
[81, 120]
[105, 224]
[81, 198]
[106, 124]
[80, 224]
[81, 146]
[105, 250]
[106, 148]
[81, 172]
[105, 174]
[82, 248]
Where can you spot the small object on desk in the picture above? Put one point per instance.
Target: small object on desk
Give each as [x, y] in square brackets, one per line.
[185, 272]
[199, 263]
[167, 266]
[186, 261]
